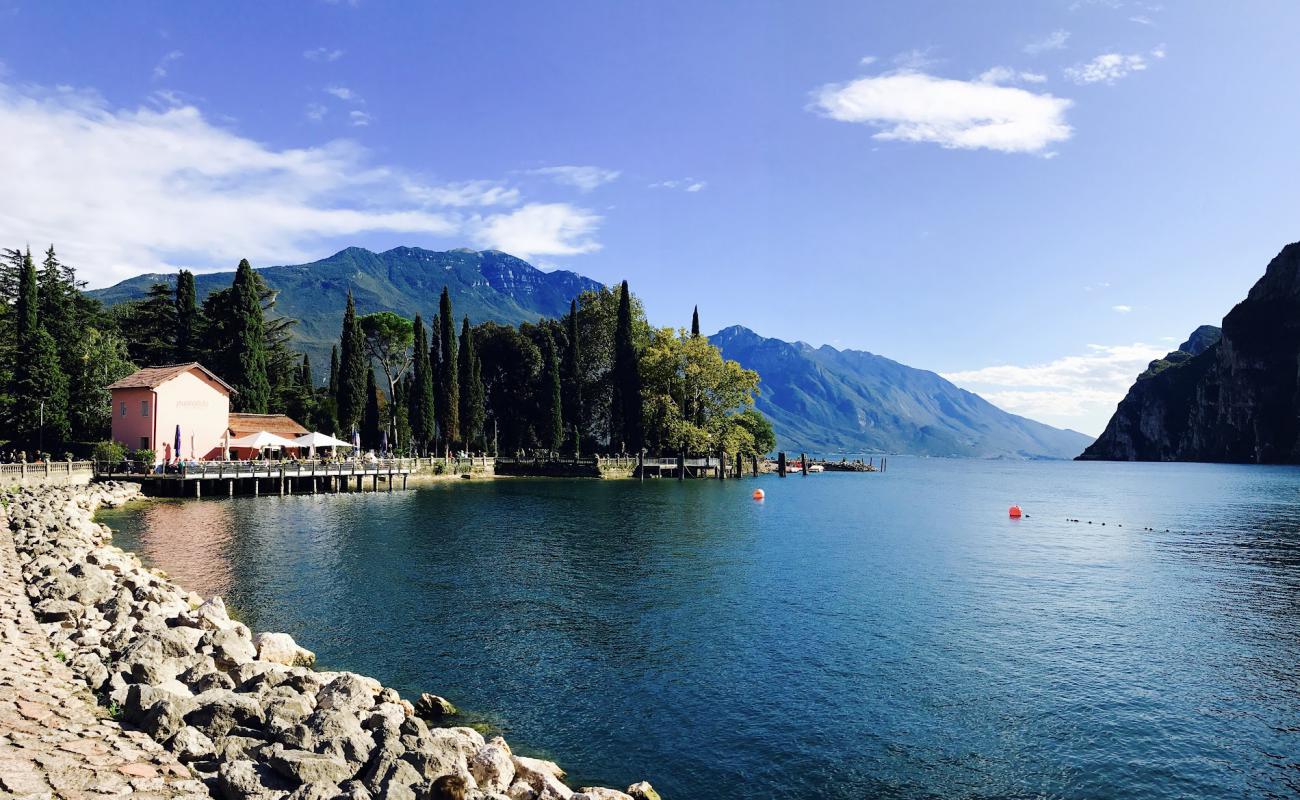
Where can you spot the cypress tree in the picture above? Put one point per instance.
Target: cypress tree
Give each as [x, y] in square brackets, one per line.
[420, 410]
[465, 372]
[625, 412]
[572, 378]
[248, 367]
[41, 389]
[477, 403]
[372, 421]
[695, 323]
[25, 327]
[334, 371]
[187, 318]
[553, 415]
[352, 370]
[448, 404]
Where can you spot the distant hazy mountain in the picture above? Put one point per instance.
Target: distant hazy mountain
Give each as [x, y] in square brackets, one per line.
[831, 401]
[488, 285]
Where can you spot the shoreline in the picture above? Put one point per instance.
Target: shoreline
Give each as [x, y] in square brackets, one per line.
[247, 714]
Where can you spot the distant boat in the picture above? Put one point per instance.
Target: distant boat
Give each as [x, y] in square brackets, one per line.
[816, 468]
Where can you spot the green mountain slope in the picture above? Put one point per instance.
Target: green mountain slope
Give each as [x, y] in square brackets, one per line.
[488, 285]
[831, 401]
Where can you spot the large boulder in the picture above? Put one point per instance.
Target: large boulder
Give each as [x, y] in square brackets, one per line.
[217, 711]
[643, 791]
[492, 768]
[307, 767]
[434, 708]
[280, 648]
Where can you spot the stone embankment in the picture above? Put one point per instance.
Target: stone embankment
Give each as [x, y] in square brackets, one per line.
[246, 715]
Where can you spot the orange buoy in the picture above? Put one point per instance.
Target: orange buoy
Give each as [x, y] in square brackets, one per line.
[758, 494]
[1015, 512]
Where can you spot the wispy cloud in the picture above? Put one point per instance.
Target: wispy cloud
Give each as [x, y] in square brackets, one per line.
[126, 190]
[1078, 391]
[359, 119]
[1141, 19]
[345, 94]
[966, 115]
[1056, 40]
[316, 111]
[160, 69]
[867, 61]
[684, 184]
[1106, 68]
[323, 54]
[1002, 74]
[582, 178]
[1121, 309]
[915, 59]
[539, 229]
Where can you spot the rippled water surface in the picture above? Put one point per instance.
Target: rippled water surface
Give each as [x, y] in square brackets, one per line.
[881, 635]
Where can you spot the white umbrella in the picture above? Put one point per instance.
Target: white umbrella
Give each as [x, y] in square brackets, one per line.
[314, 440]
[260, 440]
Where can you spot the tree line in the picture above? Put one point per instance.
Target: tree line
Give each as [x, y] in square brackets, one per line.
[599, 378]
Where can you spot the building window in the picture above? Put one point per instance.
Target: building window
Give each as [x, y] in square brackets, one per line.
[144, 408]
[124, 408]
[144, 442]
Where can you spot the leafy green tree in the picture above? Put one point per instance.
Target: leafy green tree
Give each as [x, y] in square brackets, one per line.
[509, 366]
[333, 384]
[352, 370]
[189, 321]
[302, 401]
[448, 403]
[597, 318]
[552, 433]
[57, 306]
[247, 361]
[625, 405]
[28, 303]
[388, 339]
[149, 327]
[100, 359]
[420, 404]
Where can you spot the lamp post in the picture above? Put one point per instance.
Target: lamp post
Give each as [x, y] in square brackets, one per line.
[40, 439]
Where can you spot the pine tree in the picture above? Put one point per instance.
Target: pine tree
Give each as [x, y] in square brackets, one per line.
[188, 328]
[301, 405]
[626, 424]
[372, 419]
[352, 370]
[247, 367]
[27, 308]
[572, 376]
[448, 404]
[552, 435]
[420, 411]
[57, 307]
[149, 327]
[42, 392]
[695, 323]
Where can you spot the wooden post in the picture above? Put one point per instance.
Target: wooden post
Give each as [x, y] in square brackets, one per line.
[780, 464]
[640, 464]
[740, 466]
[198, 490]
[722, 465]
[803, 463]
[753, 464]
[681, 466]
[254, 486]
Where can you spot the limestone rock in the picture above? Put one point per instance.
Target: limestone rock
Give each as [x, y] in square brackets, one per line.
[433, 708]
[280, 648]
[643, 791]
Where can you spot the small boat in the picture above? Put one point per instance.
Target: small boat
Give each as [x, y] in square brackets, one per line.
[816, 468]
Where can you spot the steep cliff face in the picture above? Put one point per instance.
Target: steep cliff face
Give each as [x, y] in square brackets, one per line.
[1236, 399]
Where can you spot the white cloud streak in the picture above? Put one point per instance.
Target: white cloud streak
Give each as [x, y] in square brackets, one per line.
[323, 54]
[1121, 309]
[1106, 68]
[965, 115]
[345, 94]
[160, 70]
[582, 178]
[1056, 40]
[1078, 391]
[123, 191]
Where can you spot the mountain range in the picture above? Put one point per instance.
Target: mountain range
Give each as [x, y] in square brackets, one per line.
[819, 399]
[825, 400]
[1228, 394]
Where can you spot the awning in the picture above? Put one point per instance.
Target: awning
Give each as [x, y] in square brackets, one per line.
[319, 440]
[260, 440]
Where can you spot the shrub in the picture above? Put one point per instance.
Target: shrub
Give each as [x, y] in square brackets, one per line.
[145, 456]
[108, 452]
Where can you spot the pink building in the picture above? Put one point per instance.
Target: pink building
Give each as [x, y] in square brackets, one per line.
[148, 405]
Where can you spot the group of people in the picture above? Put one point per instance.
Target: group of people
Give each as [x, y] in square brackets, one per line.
[20, 457]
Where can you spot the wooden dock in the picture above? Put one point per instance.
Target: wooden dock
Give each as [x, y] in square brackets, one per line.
[271, 477]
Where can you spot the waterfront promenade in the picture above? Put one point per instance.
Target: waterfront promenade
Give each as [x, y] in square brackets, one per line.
[55, 741]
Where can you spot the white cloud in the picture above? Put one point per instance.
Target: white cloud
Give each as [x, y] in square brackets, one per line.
[967, 115]
[915, 59]
[1077, 391]
[316, 111]
[1000, 74]
[1056, 40]
[687, 184]
[345, 94]
[1142, 19]
[868, 61]
[359, 119]
[1121, 309]
[124, 191]
[539, 229]
[1158, 51]
[160, 70]
[323, 54]
[1106, 68]
[583, 178]
[698, 186]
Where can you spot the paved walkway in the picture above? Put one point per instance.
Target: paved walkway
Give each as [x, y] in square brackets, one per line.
[54, 740]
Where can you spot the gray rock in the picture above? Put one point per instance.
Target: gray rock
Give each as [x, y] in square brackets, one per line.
[434, 708]
[229, 647]
[58, 610]
[244, 780]
[218, 710]
[307, 767]
[190, 744]
[280, 648]
[643, 791]
[492, 768]
[347, 692]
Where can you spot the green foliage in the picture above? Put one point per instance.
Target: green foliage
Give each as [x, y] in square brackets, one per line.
[388, 340]
[27, 307]
[552, 433]
[625, 379]
[189, 320]
[99, 358]
[149, 327]
[248, 358]
[108, 452]
[571, 375]
[420, 412]
[41, 392]
[471, 413]
[144, 455]
[510, 363]
[352, 371]
[372, 422]
[597, 318]
[448, 386]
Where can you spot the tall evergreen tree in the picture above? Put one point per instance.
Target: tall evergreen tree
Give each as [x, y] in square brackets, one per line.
[42, 389]
[149, 327]
[57, 307]
[571, 377]
[372, 423]
[302, 400]
[448, 403]
[188, 329]
[334, 371]
[552, 433]
[695, 323]
[465, 372]
[27, 306]
[247, 366]
[477, 404]
[626, 424]
[420, 411]
[353, 367]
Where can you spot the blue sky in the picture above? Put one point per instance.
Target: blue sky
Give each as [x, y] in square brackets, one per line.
[1031, 198]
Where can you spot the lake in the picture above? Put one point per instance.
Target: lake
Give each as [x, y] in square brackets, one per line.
[853, 635]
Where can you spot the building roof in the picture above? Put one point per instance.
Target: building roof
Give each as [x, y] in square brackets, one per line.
[279, 424]
[153, 377]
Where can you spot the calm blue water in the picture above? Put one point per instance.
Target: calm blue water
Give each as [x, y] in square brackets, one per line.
[882, 635]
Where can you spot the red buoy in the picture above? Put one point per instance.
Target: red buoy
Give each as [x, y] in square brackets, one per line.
[1015, 512]
[758, 494]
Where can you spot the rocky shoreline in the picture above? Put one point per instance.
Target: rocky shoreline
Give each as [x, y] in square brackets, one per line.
[247, 714]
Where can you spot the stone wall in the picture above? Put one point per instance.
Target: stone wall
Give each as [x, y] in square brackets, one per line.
[245, 713]
[58, 473]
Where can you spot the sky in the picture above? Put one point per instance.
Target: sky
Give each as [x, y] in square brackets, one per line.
[1032, 199]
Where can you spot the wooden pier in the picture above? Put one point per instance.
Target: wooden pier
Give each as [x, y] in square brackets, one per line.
[270, 477]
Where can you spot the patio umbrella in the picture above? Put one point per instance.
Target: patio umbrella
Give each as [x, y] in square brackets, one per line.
[177, 447]
[383, 442]
[314, 440]
[356, 439]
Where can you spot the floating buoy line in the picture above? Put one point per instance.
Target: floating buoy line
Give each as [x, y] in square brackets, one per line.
[1117, 525]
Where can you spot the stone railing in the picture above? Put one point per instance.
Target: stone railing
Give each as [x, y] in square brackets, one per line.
[49, 473]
